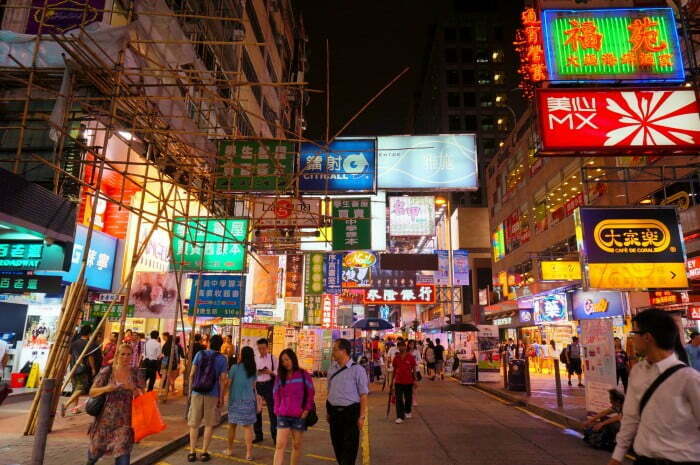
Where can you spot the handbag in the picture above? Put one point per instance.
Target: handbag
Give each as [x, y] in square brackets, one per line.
[95, 405]
[312, 416]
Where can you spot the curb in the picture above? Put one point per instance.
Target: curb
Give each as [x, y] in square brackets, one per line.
[157, 453]
[547, 413]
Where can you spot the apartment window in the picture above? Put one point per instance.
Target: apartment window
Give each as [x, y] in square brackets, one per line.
[470, 122]
[452, 77]
[468, 77]
[497, 56]
[450, 34]
[498, 78]
[254, 23]
[469, 99]
[452, 99]
[451, 55]
[498, 33]
[482, 34]
[482, 56]
[485, 101]
[489, 143]
[455, 122]
[487, 123]
[243, 123]
[466, 34]
[483, 78]
[467, 55]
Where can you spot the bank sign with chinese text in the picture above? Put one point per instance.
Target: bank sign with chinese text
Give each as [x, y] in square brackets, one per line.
[209, 244]
[419, 294]
[639, 44]
[611, 120]
[349, 165]
[631, 248]
[258, 166]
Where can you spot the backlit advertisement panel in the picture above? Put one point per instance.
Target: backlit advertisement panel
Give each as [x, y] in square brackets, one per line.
[412, 216]
[550, 309]
[638, 44]
[432, 163]
[590, 305]
[350, 165]
[600, 120]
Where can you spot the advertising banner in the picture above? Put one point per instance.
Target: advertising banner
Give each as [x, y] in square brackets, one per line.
[588, 305]
[419, 294]
[294, 276]
[382, 279]
[598, 120]
[357, 268]
[100, 260]
[275, 212]
[631, 248]
[412, 216]
[255, 166]
[313, 305]
[550, 309]
[693, 266]
[488, 357]
[63, 15]
[352, 224]
[598, 362]
[329, 306]
[638, 44]
[219, 296]
[313, 274]
[560, 270]
[265, 280]
[333, 273]
[154, 294]
[431, 163]
[210, 244]
[442, 275]
[460, 265]
[251, 332]
[348, 166]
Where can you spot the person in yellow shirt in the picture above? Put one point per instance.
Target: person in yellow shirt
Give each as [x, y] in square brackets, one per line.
[227, 349]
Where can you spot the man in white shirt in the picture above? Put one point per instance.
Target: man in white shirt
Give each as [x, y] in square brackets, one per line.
[151, 359]
[4, 355]
[666, 430]
[266, 364]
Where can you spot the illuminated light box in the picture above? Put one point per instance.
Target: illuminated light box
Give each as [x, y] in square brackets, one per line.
[633, 44]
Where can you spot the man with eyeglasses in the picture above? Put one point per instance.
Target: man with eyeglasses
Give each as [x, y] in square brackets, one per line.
[661, 415]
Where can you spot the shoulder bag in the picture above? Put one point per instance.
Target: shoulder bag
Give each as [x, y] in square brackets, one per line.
[655, 385]
[312, 417]
[95, 405]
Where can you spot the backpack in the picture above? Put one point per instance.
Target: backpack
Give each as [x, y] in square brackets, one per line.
[205, 378]
[562, 356]
[430, 355]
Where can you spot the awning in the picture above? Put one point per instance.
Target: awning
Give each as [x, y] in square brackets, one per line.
[495, 316]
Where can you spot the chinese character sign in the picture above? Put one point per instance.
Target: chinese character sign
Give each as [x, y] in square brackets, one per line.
[20, 255]
[352, 224]
[357, 268]
[419, 294]
[614, 44]
[610, 120]
[313, 274]
[348, 166]
[312, 310]
[274, 212]
[258, 166]
[219, 296]
[209, 244]
[412, 216]
[20, 283]
[528, 45]
[333, 273]
[460, 265]
[100, 259]
[294, 276]
[329, 305]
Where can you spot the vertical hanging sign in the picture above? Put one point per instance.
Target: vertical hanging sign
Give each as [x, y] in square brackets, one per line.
[352, 224]
[294, 279]
[333, 273]
[313, 274]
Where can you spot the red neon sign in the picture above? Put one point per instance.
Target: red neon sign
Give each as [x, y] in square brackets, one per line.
[419, 294]
[528, 44]
[611, 119]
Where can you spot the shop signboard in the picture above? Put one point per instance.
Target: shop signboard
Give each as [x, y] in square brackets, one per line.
[611, 120]
[352, 224]
[97, 310]
[210, 244]
[667, 297]
[419, 294]
[294, 277]
[329, 305]
[550, 309]
[412, 216]
[631, 248]
[560, 270]
[276, 212]
[255, 166]
[525, 316]
[19, 283]
[313, 305]
[460, 265]
[693, 267]
[442, 275]
[220, 295]
[154, 294]
[588, 305]
[62, 15]
[313, 274]
[333, 273]
[632, 44]
[349, 165]
[693, 312]
[357, 268]
[20, 255]
[598, 362]
[433, 163]
[381, 279]
[498, 243]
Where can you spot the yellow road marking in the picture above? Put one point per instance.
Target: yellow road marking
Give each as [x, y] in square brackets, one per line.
[488, 394]
[321, 457]
[365, 442]
[231, 458]
[534, 415]
[238, 441]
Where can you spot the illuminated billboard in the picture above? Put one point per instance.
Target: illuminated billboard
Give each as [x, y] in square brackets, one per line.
[598, 120]
[349, 165]
[412, 216]
[631, 248]
[638, 44]
[427, 162]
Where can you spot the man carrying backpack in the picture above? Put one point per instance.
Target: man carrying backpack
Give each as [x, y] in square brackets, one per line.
[573, 360]
[207, 379]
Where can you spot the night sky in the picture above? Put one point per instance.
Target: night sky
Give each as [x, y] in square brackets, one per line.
[371, 41]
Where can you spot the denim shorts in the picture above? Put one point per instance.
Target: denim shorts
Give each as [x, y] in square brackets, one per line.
[297, 424]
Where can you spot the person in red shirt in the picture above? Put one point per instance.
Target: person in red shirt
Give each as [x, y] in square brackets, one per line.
[404, 368]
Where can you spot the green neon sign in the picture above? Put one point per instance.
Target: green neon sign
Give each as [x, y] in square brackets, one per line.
[209, 244]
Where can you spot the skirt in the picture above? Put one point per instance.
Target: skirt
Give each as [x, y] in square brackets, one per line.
[242, 412]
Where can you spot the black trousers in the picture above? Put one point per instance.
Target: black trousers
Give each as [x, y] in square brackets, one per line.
[265, 391]
[150, 368]
[650, 461]
[623, 375]
[404, 399]
[345, 434]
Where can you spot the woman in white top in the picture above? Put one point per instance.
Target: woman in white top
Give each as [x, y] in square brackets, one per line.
[413, 350]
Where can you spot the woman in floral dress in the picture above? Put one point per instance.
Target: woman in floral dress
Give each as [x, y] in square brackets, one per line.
[111, 433]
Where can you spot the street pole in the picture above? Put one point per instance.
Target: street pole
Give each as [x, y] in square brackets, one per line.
[44, 421]
[450, 262]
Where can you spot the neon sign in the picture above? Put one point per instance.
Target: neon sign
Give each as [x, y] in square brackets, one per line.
[639, 44]
[528, 44]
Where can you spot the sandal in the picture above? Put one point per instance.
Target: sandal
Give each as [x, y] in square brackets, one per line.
[205, 457]
[63, 410]
[191, 457]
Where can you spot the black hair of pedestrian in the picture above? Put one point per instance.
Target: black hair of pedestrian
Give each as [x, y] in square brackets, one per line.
[344, 345]
[616, 396]
[574, 339]
[430, 344]
[693, 335]
[660, 325]
[197, 337]
[437, 341]
[282, 370]
[262, 341]
[248, 361]
[85, 330]
[154, 334]
[216, 342]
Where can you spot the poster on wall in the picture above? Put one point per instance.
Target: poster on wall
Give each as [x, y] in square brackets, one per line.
[266, 280]
[488, 359]
[251, 332]
[154, 294]
[442, 275]
[460, 265]
[598, 362]
[313, 307]
[412, 216]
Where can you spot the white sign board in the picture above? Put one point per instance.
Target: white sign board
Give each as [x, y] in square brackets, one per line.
[598, 359]
[412, 216]
[273, 212]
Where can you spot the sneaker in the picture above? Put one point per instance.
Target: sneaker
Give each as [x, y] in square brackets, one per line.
[398, 421]
[408, 415]
[580, 385]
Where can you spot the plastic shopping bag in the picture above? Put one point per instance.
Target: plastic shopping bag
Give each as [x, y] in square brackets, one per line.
[145, 416]
[34, 374]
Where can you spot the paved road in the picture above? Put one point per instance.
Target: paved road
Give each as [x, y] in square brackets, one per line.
[452, 424]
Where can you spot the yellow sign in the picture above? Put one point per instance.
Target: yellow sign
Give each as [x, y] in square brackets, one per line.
[632, 236]
[637, 275]
[560, 271]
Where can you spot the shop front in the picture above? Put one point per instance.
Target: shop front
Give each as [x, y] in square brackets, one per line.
[592, 305]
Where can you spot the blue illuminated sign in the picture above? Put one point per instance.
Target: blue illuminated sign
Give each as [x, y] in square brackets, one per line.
[348, 166]
[427, 162]
[220, 295]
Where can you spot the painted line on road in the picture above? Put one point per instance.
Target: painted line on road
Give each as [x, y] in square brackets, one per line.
[232, 458]
[488, 394]
[238, 441]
